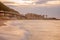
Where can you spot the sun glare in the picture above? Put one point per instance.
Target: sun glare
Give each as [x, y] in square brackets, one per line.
[22, 2]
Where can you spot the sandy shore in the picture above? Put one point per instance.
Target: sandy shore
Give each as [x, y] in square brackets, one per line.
[35, 29]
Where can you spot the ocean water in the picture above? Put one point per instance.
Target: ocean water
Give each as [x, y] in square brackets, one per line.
[30, 30]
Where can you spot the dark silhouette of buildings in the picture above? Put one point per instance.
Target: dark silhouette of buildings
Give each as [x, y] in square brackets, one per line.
[34, 16]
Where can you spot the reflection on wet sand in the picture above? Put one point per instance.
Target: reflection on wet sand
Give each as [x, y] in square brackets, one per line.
[31, 30]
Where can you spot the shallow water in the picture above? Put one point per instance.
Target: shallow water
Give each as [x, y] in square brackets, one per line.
[36, 29]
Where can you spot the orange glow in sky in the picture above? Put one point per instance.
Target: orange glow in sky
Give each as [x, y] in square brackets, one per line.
[21, 2]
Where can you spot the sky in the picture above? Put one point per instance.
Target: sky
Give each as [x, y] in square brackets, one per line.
[43, 7]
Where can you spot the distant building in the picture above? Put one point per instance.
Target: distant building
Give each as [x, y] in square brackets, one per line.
[10, 15]
[33, 16]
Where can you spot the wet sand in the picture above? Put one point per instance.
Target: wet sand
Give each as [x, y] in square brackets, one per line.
[39, 29]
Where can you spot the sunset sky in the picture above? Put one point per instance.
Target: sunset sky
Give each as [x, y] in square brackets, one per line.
[47, 7]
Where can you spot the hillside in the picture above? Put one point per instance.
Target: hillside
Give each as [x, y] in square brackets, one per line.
[5, 8]
[8, 13]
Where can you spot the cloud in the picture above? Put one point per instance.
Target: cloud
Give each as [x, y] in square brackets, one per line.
[6, 0]
[10, 3]
[18, 2]
[37, 3]
[53, 2]
[50, 3]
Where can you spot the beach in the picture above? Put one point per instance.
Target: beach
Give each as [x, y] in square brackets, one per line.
[31, 30]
